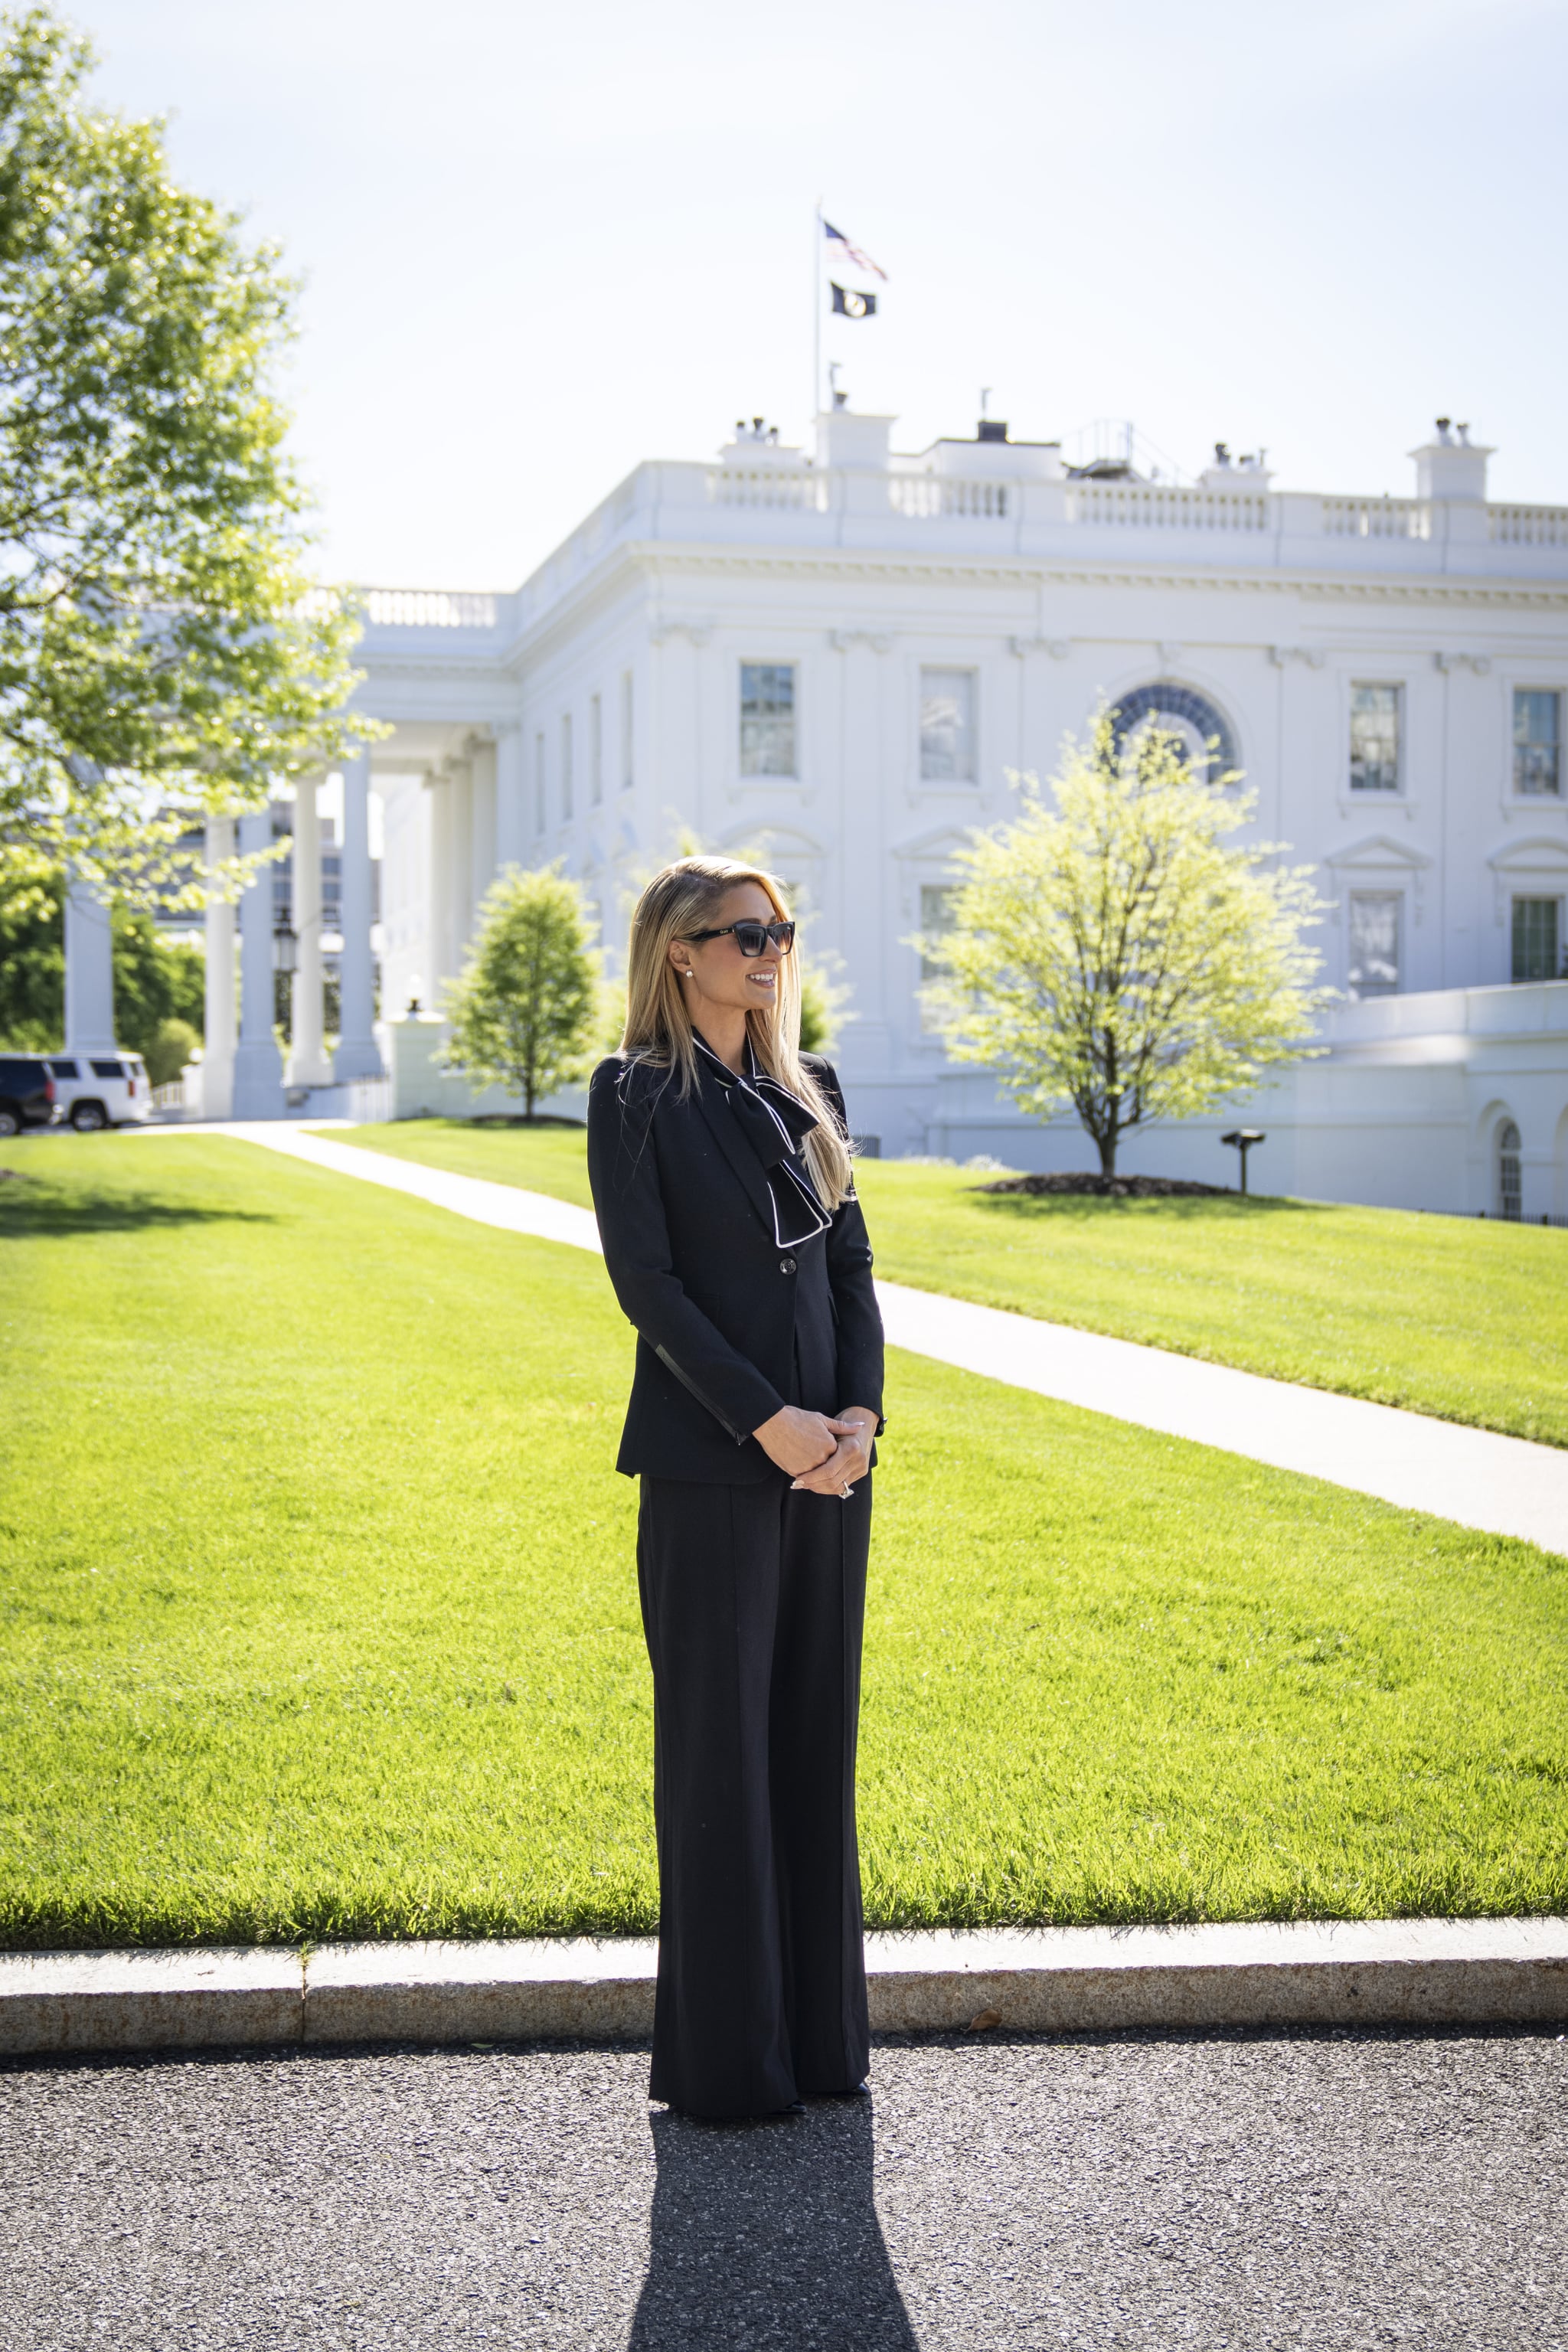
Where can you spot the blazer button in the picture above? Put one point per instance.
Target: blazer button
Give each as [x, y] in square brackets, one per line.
[786, 1266]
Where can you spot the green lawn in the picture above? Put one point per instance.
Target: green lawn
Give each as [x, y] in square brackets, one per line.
[320, 1616]
[1450, 1316]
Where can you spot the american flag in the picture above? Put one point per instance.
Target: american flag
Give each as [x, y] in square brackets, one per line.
[861, 260]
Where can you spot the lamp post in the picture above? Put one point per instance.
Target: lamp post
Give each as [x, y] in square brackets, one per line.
[286, 950]
[1243, 1138]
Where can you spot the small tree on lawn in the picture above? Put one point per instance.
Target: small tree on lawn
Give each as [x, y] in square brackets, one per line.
[1118, 952]
[526, 1013]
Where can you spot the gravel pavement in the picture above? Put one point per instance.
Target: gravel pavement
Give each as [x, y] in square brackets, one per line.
[1250, 2192]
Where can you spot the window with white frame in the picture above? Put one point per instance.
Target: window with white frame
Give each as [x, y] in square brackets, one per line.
[1537, 741]
[625, 730]
[1375, 739]
[596, 749]
[1537, 939]
[947, 725]
[1510, 1176]
[541, 810]
[1377, 921]
[566, 767]
[767, 718]
[936, 920]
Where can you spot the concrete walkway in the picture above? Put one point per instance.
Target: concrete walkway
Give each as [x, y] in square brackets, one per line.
[1502, 1484]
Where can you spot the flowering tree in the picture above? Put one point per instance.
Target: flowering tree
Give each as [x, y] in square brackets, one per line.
[162, 651]
[1118, 952]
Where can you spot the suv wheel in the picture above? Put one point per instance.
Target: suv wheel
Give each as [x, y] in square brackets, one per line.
[88, 1118]
[9, 1122]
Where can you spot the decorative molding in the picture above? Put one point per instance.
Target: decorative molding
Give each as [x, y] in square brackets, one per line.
[1313, 655]
[696, 632]
[1375, 855]
[841, 640]
[1539, 859]
[1480, 663]
[1058, 648]
[1170, 654]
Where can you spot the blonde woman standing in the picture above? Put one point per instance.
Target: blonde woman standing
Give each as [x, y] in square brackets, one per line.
[720, 1164]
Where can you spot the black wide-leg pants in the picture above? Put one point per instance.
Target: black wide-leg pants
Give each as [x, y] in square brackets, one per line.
[753, 1602]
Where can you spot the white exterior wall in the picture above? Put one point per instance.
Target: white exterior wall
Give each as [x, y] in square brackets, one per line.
[1055, 593]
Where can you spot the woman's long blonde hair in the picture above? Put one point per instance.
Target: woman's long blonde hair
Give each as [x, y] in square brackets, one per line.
[677, 903]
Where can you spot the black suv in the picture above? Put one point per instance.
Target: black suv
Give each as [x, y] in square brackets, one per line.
[26, 1092]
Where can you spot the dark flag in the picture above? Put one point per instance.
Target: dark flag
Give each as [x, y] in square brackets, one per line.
[849, 304]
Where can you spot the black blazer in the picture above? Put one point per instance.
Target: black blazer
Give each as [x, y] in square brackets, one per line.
[730, 1327]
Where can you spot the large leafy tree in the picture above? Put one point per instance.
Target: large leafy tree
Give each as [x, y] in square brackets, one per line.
[157, 980]
[1118, 953]
[527, 1013]
[162, 651]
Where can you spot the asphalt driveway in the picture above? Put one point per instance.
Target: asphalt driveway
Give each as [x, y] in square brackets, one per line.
[1339, 2190]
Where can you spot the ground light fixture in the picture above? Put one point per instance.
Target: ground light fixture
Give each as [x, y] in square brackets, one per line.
[1242, 1139]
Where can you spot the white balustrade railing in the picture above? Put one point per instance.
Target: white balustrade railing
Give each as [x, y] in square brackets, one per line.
[429, 608]
[1527, 526]
[767, 486]
[1376, 519]
[924, 495]
[1165, 505]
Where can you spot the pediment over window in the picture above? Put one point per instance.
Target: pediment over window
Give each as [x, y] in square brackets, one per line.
[1377, 854]
[946, 841]
[1541, 854]
[770, 843]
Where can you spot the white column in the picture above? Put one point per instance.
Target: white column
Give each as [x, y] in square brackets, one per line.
[258, 1065]
[461, 818]
[307, 1064]
[356, 1056]
[90, 974]
[482, 848]
[218, 1018]
[438, 962]
[512, 787]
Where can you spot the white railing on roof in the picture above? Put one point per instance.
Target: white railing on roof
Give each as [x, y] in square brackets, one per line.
[766, 486]
[1376, 519]
[1529, 526]
[937, 494]
[1165, 505]
[429, 608]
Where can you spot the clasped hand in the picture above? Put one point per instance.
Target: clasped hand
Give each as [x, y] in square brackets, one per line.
[822, 1454]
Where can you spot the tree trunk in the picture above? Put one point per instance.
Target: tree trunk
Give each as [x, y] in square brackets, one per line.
[1107, 1153]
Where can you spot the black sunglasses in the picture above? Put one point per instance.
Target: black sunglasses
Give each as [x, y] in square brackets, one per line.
[750, 938]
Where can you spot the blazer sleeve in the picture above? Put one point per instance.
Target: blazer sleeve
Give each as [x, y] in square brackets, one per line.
[854, 1293]
[623, 1171]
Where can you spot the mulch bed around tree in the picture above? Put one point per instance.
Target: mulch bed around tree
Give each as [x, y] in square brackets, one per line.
[1118, 1187]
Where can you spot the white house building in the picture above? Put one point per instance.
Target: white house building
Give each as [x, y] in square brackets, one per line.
[835, 658]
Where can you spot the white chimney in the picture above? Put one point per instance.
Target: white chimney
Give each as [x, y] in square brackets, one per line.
[857, 442]
[1452, 466]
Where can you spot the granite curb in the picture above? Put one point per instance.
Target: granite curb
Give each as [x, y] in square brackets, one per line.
[1417, 1972]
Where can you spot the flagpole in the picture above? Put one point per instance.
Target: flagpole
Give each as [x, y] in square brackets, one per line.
[817, 314]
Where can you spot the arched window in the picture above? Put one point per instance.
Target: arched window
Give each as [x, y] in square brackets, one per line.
[1508, 1188]
[1183, 712]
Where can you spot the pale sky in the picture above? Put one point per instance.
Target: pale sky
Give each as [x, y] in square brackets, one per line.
[539, 243]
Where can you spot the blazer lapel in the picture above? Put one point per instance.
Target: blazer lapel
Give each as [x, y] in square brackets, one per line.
[726, 1131]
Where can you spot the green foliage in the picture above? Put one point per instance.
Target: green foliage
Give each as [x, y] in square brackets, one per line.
[162, 651]
[527, 1013]
[173, 1044]
[824, 1002]
[1445, 1314]
[1116, 954]
[32, 961]
[157, 980]
[340, 1635]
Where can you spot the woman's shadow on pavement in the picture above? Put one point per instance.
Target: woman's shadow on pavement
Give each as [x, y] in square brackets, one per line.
[767, 2234]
